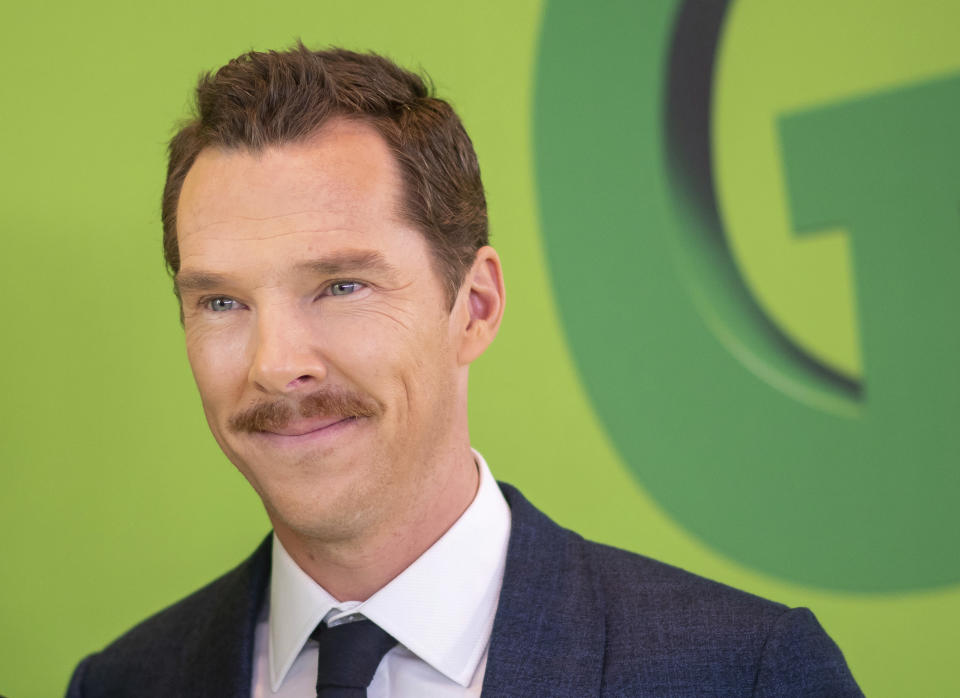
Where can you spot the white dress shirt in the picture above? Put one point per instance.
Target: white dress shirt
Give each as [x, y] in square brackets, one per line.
[440, 609]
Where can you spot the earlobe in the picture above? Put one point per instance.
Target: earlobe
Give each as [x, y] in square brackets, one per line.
[485, 297]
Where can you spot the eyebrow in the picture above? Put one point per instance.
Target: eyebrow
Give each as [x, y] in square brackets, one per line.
[331, 265]
[348, 261]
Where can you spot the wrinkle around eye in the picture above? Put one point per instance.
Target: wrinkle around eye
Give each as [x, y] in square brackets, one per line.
[397, 316]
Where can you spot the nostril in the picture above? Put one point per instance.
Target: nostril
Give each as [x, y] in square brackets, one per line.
[299, 381]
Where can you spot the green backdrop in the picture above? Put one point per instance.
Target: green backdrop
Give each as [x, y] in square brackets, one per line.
[730, 239]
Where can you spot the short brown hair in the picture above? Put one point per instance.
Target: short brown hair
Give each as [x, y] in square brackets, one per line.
[263, 99]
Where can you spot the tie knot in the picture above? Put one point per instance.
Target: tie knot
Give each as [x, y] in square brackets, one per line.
[349, 654]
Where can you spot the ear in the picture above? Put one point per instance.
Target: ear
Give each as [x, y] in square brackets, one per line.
[483, 296]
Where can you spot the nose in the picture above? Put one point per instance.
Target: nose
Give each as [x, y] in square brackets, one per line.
[286, 358]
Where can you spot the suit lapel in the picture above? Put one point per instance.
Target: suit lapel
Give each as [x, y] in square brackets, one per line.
[549, 631]
[548, 634]
[217, 656]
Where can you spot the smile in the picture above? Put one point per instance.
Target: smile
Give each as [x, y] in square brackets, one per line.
[308, 431]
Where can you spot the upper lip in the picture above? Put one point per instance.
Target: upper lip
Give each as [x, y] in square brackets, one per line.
[300, 427]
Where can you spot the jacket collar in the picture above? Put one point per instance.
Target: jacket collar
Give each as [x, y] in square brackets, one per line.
[217, 653]
[549, 632]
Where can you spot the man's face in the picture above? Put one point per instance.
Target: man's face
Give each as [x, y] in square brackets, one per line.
[317, 329]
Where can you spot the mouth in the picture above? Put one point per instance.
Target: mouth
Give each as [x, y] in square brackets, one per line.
[305, 431]
[302, 427]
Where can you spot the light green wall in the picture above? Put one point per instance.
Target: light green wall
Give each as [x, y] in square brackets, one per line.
[114, 499]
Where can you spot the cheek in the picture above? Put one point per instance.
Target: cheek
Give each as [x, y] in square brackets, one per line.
[404, 365]
[219, 366]
[427, 372]
[364, 337]
[384, 341]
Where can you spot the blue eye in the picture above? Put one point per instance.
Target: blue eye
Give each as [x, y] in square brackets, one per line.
[221, 304]
[344, 288]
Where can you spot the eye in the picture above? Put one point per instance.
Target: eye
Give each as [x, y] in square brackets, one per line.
[344, 288]
[221, 304]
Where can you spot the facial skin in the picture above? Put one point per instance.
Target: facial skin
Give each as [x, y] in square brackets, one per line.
[332, 371]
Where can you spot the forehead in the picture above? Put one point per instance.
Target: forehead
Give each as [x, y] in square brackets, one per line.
[339, 186]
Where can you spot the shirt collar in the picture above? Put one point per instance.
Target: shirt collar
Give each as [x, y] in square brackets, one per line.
[441, 607]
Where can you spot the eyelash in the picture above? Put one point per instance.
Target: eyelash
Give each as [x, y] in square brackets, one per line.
[206, 301]
[328, 289]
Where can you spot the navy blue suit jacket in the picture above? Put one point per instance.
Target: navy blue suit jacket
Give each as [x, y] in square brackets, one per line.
[575, 619]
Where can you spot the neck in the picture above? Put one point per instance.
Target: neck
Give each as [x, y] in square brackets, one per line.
[354, 568]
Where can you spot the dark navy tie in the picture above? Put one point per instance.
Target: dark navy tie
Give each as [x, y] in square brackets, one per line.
[349, 656]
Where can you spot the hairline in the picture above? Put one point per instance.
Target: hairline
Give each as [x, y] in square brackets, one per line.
[451, 285]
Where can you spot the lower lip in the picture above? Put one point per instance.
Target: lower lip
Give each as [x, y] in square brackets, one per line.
[317, 436]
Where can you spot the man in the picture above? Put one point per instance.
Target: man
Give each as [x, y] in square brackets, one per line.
[325, 225]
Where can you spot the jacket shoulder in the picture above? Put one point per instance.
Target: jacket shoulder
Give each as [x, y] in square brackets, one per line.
[632, 583]
[662, 621]
[156, 656]
[658, 629]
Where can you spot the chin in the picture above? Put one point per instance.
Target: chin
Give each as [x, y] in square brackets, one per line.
[321, 510]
